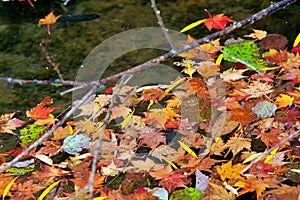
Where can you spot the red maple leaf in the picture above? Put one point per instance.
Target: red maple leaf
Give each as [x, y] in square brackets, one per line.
[296, 49]
[172, 181]
[218, 21]
[262, 169]
[40, 111]
[152, 138]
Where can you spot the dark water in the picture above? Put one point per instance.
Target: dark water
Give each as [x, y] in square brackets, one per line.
[68, 45]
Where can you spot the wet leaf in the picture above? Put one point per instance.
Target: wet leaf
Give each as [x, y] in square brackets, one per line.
[40, 111]
[201, 181]
[173, 181]
[8, 123]
[258, 34]
[73, 145]
[264, 109]
[284, 101]
[217, 21]
[186, 194]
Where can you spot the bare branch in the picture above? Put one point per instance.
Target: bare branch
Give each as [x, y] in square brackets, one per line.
[50, 61]
[161, 24]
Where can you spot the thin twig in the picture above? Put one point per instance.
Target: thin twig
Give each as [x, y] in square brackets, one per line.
[270, 150]
[161, 24]
[50, 61]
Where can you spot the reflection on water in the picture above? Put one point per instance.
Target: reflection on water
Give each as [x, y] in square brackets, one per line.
[68, 45]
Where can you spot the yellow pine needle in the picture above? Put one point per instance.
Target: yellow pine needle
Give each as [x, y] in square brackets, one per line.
[169, 162]
[219, 59]
[297, 40]
[188, 149]
[193, 25]
[100, 198]
[270, 156]
[151, 102]
[189, 68]
[46, 191]
[126, 120]
[7, 188]
[174, 84]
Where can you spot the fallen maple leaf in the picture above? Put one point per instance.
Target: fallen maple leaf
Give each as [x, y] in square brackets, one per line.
[229, 171]
[41, 112]
[258, 89]
[8, 123]
[258, 34]
[152, 138]
[218, 21]
[173, 181]
[48, 20]
[233, 75]
[284, 100]
[272, 137]
[161, 172]
[252, 184]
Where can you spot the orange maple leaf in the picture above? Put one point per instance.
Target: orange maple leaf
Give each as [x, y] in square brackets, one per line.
[218, 21]
[284, 100]
[252, 184]
[41, 112]
[48, 20]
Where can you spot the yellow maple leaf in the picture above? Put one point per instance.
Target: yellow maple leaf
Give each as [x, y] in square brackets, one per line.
[49, 19]
[230, 171]
[284, 101]
[258, 34]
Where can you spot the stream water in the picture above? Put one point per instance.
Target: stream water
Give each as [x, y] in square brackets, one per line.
[69, 43]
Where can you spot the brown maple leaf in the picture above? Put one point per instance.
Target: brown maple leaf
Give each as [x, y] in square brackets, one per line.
[257, 89]
[25, 190]
[237, 144]
[161, 172]
[155, 94]
[272, 137]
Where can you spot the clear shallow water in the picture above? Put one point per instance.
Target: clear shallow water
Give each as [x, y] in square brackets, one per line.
[69, 44]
